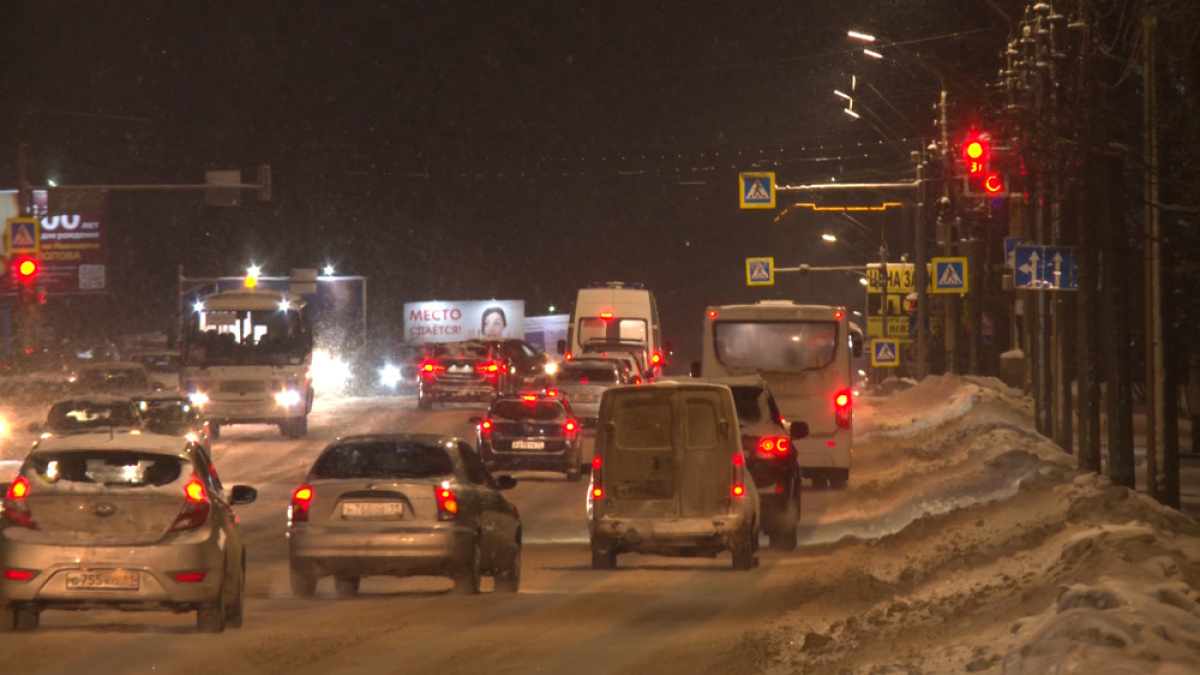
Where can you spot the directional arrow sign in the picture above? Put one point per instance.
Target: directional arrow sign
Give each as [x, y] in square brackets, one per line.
[1051, 268]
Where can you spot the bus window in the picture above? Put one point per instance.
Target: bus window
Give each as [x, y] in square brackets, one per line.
[776, 345]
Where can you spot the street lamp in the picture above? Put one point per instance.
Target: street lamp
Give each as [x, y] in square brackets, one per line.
[328, 270]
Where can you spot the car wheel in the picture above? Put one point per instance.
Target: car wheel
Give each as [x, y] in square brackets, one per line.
[214, 431]
[303, 579]
[820, 482]
[346, 587]
[294, 427]
[603, 559]
[424, 402]
[16, 617]
[210, 618]
[509, 579]
[466, 578]
[575, 472]
[783, 536]
[838, 480]
[743, 552]
[235, 610]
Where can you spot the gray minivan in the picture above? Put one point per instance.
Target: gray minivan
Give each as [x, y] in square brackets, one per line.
[668, 476]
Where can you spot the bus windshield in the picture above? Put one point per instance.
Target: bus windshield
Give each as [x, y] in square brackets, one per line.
[246, 337]
[776, 345]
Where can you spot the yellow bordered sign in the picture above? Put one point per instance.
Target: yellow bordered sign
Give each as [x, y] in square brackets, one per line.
[760, 271]
[757, 190]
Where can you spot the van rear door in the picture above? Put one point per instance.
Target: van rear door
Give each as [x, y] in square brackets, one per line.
[667, 453]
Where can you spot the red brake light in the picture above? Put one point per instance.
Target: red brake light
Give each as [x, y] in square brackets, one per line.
[485, 428]
[569, 356]
[606, 315]
[529, 398]
[570, 427]
[597, 492]
[18, 489]
[447, 503]
[195, 506]
[656, 359]
[842, 408]
[838, 315]
[489, 367]
[738, 460]
[301, 499]
[739, 490]
[712, 313]
[18, 575]
[739, 475]
[597, 463]
[767, 445]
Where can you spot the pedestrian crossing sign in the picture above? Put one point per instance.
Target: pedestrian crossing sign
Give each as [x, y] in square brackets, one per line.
[757, 190]
[949, 275]
[885, 353]
[21, 236]
[760, 271]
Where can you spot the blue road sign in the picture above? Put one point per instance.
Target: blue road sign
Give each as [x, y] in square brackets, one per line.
[1010, 249]
[885, 353]
[760, 271]
[757, 190]
[949, 275]
[1049, 268]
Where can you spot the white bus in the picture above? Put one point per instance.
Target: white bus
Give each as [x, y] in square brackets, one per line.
[804, 352]
[617, 316]
[247, 359]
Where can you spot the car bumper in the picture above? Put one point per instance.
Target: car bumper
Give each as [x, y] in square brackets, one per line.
[672, 535]
[562, 458]
[249, 412]
[154, 567]
[413, 550]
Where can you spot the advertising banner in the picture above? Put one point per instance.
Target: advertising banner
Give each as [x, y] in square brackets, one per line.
[73, 248]
[454, 320]
[544, 332]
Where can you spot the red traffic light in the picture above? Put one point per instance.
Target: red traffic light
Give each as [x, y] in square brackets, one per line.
[976, 151]
[993, 184]
[25, 268]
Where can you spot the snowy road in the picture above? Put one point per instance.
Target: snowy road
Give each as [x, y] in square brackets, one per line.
[964, 543]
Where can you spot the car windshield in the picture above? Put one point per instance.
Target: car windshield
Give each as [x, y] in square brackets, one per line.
[383, 459]
[84, 469]
[587, 374]
[532, 411]
[84, 416]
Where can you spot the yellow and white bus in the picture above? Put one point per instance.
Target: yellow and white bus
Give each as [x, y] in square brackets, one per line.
[804, 353]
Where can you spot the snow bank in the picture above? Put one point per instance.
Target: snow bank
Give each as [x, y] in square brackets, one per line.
[989, 550]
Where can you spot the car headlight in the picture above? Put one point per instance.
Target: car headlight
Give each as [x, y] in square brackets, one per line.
[198, 398]
[389, 376]
[288, 398]
[551, 367]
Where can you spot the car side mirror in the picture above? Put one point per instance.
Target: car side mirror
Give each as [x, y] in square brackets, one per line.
[242, 494]
[856, 344]
[695, 370]
[561, 346]
[505, 482]
[798, 430]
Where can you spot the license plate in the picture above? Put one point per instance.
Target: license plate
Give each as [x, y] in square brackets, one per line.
[120, 580]
[528, 445]
[372, 508]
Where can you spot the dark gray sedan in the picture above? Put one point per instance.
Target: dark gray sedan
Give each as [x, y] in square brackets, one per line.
[402, 505]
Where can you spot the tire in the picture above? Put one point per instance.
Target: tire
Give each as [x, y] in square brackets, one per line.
[424, 402]
[235, 612]
[210, 618]
[294, 427]
[17, 618]
[838, 480]
[783, 536]
[8, 619]
[214, 431]
[346, 587]
[509, 579]
[467, 576]
[743, 552]
[820, 481]
[603, 559]
[303, 579]
[575, 473]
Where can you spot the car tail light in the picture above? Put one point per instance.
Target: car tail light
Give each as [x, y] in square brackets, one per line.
[568, 356]
[656, 359]
[195, 506]
[712, 313]
[301, 500]
[606, 315]
[842, 404]
[429, 368]
[15, 507]
[837, 315]
[485, 428]
[529, 398]
[447, 503]
[739, 475]
[490, 368]
[552, 393]
[189, 577]
[19, 575]
[773, 445]
[597, 478]
[570, 427]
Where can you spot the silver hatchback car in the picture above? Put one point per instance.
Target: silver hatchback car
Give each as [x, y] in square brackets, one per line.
[400, 505]
[118, 521]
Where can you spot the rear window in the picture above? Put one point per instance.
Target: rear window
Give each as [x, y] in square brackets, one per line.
[533, 411]
[84, 416]
[745, 399]
[776, 345]
[587, 375]
[383, 459]
[87, 469]
[642, 421]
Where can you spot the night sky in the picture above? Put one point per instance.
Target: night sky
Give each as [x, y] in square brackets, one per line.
[454, 150]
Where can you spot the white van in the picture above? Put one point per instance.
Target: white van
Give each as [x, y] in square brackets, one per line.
[617, 316]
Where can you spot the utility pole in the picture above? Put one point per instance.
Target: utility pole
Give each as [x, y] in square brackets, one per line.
[1155, 362]
[920, 277]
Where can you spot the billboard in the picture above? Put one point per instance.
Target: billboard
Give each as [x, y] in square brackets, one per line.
[74, 253]
[450, 321]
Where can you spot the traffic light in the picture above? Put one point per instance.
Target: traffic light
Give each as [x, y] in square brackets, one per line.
[25, 269]
[981, 179]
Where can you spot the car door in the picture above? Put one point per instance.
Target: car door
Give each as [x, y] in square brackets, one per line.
[221, 509]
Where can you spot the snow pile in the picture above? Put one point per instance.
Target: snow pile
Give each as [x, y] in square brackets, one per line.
[987, 550]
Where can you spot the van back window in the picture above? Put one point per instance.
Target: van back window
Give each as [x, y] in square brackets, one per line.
[701, 423]
[643, 421]
[611, 330]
